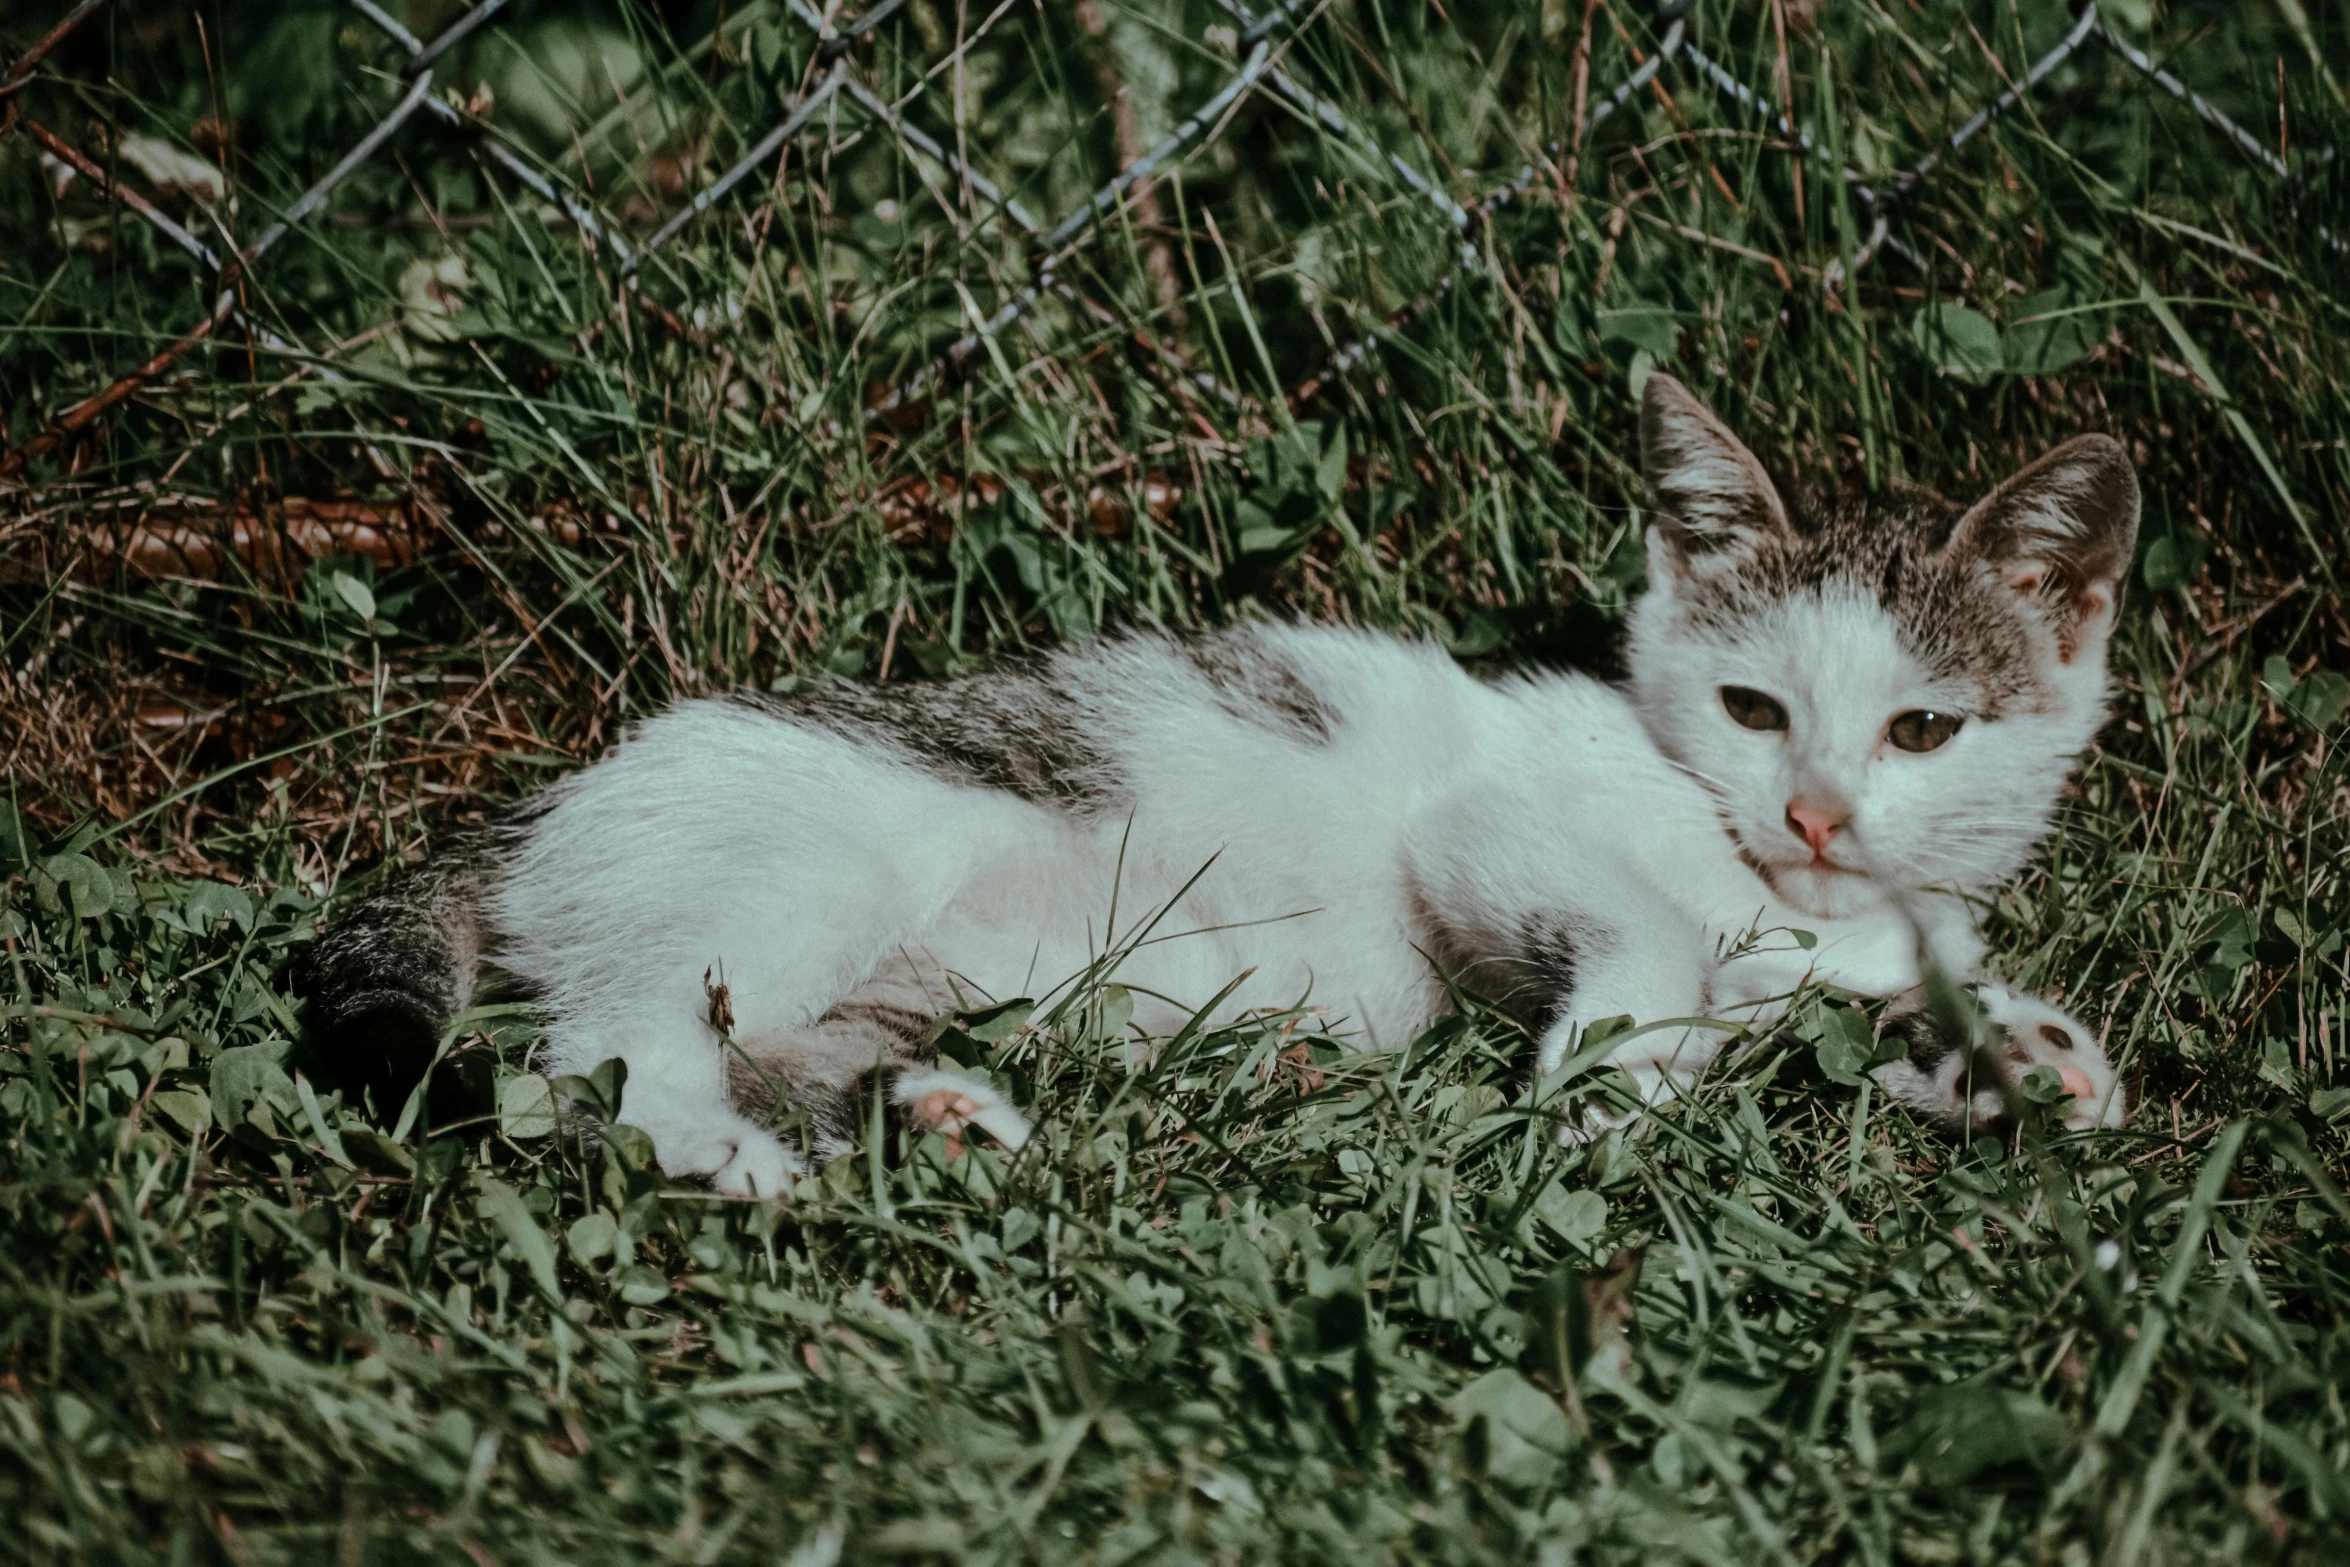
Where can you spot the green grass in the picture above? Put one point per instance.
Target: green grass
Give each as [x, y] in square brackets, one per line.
[1242, 1303]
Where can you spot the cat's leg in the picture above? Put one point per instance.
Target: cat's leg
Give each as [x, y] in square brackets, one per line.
[1885, 955]
[1635, 955]
[1768, 951]
[1941, 1080]
[1761, 967]
[726, 847]
[676, 1095]
[1550, 923]
[881, 1033]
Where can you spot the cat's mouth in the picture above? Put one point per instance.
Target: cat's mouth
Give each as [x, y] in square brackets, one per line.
[1776, 858]
[1762, 866]
[1817, 865]
[1807, 873]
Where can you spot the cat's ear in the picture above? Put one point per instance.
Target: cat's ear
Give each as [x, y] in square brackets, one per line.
[2061, 533]
[1709, 502]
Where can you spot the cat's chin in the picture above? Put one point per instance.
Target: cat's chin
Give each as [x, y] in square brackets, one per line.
[1827, 891]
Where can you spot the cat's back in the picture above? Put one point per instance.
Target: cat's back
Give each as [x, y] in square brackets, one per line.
[1264, 721]
[1092, 725]
[1304, 688]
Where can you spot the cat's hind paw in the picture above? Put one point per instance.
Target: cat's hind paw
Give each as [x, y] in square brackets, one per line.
[760, 1168]
[2029, 1036]
[739, 1157]
[947, 1102]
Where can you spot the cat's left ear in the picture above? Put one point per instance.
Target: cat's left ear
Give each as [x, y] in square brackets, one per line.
[1710, 504]
[2061, 533]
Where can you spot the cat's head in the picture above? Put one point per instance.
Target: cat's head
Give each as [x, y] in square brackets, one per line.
[1882, 685]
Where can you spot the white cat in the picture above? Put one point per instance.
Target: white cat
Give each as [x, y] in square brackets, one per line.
[1846, 716]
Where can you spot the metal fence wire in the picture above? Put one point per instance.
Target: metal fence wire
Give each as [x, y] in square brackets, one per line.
[1258, 43]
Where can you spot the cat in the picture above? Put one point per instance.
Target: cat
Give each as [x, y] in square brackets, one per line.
[1846, 716]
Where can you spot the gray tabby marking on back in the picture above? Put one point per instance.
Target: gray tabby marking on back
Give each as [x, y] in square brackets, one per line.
[1016, 729]
[1035, 728]
[1256, 685]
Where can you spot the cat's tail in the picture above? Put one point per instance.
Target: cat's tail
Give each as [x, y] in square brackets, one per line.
[388, 977]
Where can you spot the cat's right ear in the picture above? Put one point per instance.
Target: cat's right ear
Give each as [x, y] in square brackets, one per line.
[2061, 533]
[1709, 501]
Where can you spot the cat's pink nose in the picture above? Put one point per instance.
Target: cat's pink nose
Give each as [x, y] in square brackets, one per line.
[1813, 825]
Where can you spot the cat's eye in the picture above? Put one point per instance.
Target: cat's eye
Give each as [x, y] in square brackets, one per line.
[1921, 730]
[1752, 709]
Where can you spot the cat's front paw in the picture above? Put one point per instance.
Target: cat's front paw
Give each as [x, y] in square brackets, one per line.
[1661, 1065]
[1867, 957]
[2036, 1052]
[1594, 1118]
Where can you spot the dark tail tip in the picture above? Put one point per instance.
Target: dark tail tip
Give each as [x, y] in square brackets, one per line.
[383, 984]
[380, 1051]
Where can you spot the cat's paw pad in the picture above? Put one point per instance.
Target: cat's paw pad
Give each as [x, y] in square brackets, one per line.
[950, 1103]
[2040, 1039]
[944, 1112]
[2041, 1053]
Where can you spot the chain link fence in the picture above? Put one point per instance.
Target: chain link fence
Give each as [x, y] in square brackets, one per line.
[845, 96]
